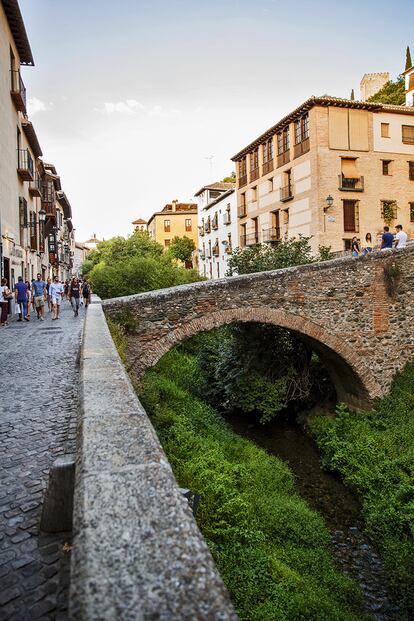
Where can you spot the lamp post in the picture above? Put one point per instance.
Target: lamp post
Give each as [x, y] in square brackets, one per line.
[329, 202]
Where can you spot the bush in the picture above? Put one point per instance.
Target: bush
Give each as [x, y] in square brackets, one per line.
[374, 452]
[271, 549]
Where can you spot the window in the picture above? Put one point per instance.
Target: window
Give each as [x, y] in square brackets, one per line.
[33, 231]
[254, 193]
[351, 216]
[411, 171]
[254, 160]
[347, 244]
[188, 225]
[407, 134]
[268, 151]
[385, 130]
[411, 212]
[386, 167]
[270, 185]
[167, 242]
[214, 194]
[167, 226]
[388, 210]
[280, 143]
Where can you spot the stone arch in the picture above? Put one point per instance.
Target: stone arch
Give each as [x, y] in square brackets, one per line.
[352, 378]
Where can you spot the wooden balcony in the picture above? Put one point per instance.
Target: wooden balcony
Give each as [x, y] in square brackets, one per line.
[216, 250]
[241, 211]
[346, 184]
[271, 235]
[283, 158]
[18, 90]
[254, 174]
[301, 148]
[214, 222]
[252, 239]
[25, 168]
[267, 167]
[286, 193]
[242, 181]
[35, 187]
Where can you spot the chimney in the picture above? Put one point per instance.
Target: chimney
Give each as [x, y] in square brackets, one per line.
[174, 204]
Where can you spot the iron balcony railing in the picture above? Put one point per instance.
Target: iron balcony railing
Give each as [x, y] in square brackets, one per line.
[286, 193]
[18, 90]
[216, 250]
[227, 218]
[25, 166]
[271, 235]
[35, 187]
[214, 222]
[241, 210]
[347, 184]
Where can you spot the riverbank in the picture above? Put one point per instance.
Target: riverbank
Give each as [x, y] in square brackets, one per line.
[271, 548]
[374, 453]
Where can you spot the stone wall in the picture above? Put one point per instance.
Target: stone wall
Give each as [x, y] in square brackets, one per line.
[138, 553]
[341, 307]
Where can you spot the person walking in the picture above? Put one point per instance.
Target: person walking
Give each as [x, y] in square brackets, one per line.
[29, 299]
[39, 292]
[401, 237]
[5, 296]
[367, 245]
[48, 298]
[56, 292]
[86, 293]
[355, 247]
[74, 295]
[67, 289]
[20, 292]
[387, 239]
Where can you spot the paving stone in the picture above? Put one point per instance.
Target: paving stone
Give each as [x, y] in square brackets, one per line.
[33, 565]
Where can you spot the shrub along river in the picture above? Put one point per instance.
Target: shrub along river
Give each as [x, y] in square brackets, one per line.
[324, 492]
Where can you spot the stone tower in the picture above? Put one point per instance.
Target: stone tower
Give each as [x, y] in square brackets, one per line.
[371, 83]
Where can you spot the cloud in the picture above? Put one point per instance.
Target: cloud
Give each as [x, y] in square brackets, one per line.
[160, 112]
[129, 106]
[35, 105]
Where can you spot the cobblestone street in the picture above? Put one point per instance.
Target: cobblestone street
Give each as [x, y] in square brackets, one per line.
[39, 388]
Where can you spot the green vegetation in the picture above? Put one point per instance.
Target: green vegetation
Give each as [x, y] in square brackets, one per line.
[182, 248]
[393, 92]
[123, 266]
[408, 61]
[271, 549]
[374, 452]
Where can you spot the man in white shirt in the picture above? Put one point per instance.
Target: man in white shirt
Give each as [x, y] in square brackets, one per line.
[56, 292]
[401, 237]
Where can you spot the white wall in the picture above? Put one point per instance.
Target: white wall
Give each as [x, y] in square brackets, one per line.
[394, 143]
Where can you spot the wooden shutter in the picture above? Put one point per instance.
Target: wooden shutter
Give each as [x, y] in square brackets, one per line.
[338, 128]
[358, 130]
[349, 169]
[349, 215]
[408, 134]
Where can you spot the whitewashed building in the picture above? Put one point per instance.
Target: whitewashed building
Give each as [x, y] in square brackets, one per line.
[217, 226]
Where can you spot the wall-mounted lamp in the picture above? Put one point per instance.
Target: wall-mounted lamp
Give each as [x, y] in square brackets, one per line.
[329, 202]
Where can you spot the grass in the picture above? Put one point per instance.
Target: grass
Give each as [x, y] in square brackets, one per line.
[271, 549]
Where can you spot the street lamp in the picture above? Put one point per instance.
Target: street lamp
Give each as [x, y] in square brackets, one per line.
[329, 202]
[42, 215]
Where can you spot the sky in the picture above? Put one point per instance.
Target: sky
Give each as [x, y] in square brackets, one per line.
[139, 102]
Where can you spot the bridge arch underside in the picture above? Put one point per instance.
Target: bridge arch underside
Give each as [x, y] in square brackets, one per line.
[353, 380]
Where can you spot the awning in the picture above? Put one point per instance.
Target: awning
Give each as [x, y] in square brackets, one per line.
[349, 169]
[32, 138]
[63, 201]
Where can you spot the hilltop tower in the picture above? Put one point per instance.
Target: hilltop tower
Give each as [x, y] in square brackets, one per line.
[371, 83]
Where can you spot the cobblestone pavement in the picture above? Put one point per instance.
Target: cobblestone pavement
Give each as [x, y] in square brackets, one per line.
[39, 392]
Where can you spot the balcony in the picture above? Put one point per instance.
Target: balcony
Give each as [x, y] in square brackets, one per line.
[271, 235]
[242, 181]
[241, 210]
[25, 167]
[207, 226]
[286, 193]
[208, 253]
[35, 187]
[18, 90]
[227, 218]
[254, 174]
[267, 167]
[214, 222]
[346, 184]
[252, 239]
[301, 148]
[201, 231]
[283, 158]
[216, 250]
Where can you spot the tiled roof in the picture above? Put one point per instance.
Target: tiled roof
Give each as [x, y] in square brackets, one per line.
[139, 221]
[18, 30]
[325, 100]
[219, 185]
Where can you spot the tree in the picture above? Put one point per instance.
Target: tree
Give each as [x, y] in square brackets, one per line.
[230, 179]
[263, 257]
[391, 93]
[182, 248]
[352, 95]
[408, 61]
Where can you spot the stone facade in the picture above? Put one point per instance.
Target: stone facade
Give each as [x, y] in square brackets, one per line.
[371, 83]
[363, 334]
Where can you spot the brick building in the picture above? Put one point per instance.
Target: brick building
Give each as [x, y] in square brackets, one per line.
[359, 154]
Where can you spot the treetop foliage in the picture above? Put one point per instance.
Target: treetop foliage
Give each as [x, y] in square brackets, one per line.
[393, 92]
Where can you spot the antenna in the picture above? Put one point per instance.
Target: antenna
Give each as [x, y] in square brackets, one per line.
[210, 158]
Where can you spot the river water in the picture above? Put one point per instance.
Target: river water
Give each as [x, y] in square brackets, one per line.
[324, 492]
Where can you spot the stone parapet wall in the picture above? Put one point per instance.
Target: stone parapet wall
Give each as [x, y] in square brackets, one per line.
[138, 553]
[341, 307]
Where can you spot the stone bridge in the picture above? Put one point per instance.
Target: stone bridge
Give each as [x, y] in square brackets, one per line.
[358, 315]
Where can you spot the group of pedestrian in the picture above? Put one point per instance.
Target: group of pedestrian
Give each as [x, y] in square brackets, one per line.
[386, 241]
[38, 293]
